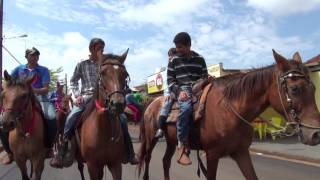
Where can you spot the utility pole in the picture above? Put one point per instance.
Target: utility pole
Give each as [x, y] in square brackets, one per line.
[66, 82]
[1, 28]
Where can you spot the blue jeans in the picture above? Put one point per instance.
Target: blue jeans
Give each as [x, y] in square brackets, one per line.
[165, 110]
[50, 118]
[72, 119]
[47, 108]
[184, 121]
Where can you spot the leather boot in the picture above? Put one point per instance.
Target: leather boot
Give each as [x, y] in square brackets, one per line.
[159, 134]
[57, 160]
[183, 156]
[162, 124]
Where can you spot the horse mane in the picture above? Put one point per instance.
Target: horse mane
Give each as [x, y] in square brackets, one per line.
[247, 84]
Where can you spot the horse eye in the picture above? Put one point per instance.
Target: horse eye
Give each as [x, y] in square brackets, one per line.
[295, 89]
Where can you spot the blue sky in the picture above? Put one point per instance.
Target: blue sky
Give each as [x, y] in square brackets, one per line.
[238, 33]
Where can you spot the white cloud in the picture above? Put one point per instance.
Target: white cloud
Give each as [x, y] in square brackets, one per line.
[239, 40]
[64, 50]
[285, 7]
[59, 10]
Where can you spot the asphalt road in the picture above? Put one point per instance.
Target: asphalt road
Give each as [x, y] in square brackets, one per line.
[266, 168]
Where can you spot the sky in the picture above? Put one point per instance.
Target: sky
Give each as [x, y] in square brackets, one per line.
[238, 33]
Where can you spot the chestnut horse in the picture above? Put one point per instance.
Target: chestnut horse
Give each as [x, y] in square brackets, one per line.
[23, 117]
[232, 104]
[63, 109]
[101, 135]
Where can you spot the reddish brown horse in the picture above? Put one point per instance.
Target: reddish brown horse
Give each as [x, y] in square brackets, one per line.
[101, 136]
[63, 110]
[22, 116]
[232, 104]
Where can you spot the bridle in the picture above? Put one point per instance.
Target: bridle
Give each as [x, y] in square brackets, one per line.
[107, 96]
[294, 122]
[20, 113]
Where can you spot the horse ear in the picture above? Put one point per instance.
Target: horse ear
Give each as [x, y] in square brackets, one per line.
[100, 56]
[30, 79]
[124, 56]
[296, 57]
[282, 62]
[7, 76]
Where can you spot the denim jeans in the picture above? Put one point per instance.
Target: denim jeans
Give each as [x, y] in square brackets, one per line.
[165, 110]
[50, 118]
[184, 121]
[47, 108]
[72, 119]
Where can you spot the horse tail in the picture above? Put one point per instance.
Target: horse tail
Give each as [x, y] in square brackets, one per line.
[143, 146]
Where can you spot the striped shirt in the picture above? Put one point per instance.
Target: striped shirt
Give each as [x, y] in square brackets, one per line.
[87, 71]
[183, 71]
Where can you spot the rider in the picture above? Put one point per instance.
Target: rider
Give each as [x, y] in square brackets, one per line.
[134, 98]
[164, 112]
[183, 71]
[57, 95]
[40, 87]
[87, 71]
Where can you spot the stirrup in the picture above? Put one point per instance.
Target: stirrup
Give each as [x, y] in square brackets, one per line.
[159, 134]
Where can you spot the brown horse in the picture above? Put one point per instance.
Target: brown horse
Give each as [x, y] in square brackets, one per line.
[63, 109]
[232, 104]
[101, 136]
[22, 116]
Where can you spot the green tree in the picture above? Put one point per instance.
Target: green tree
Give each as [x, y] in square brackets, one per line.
[54, 75]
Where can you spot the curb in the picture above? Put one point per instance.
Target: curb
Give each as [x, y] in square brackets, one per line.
[286, 156]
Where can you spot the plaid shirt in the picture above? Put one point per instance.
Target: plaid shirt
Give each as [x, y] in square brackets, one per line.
[87, 71]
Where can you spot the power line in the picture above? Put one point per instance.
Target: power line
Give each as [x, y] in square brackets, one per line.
[11, 54]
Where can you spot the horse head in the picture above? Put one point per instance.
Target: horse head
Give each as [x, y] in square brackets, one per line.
[294, 97]
[112, 81]
[16, 98]
[66, 104]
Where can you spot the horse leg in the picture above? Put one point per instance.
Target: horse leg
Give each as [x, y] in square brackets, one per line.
[148, 158]
[80, 168]
[243, 159]
[38, 165]
[21, 163]
[94, 171]
[167, 159]
[212, 165]
[116, 171]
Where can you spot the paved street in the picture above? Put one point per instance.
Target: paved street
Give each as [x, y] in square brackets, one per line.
[267, 169]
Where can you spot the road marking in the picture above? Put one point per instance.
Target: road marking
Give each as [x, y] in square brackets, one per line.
[285, 159]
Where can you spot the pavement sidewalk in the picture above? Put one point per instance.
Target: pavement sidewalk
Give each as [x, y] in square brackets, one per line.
[287, 147]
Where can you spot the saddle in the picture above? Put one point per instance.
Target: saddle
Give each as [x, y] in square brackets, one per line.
[199, 95]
